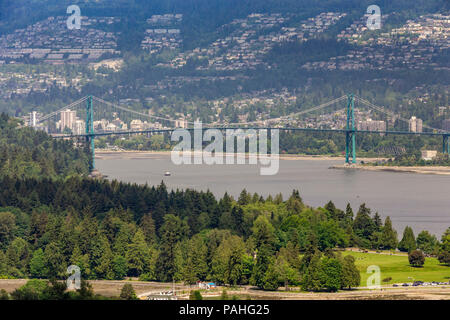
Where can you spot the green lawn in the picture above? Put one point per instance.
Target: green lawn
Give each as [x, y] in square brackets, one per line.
[399, 269]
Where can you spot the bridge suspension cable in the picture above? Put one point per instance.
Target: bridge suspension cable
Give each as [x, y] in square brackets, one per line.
[133, 111]
[321, 106]
[390, 113]
[54, 113]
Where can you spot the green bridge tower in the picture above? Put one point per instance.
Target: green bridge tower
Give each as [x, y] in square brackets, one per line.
[90, 129]
[445, 144]
[350, 133]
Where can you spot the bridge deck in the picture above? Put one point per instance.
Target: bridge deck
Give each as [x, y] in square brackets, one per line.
[255, 128]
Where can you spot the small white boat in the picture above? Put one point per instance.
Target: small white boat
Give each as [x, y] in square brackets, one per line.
[167, 173]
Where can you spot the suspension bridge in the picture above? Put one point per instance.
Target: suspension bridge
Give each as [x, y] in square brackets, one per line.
[349, 130]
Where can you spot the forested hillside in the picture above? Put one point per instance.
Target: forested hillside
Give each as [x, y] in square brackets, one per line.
[113, 230]
[27, 153]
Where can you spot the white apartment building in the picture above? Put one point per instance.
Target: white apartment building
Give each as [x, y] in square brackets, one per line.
[68, 118]
[415, 124]
[79, 127]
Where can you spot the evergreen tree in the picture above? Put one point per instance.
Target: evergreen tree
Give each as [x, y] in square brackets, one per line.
[331, 210]
[263, 232]
[311, 250]
[408, 242]
[350, 274]
[103, 266]
[18, 257]
[363, 225]
[123, 239]
[3, 264]
[330, 274]
[54, 261]
[37, 264]
[377, 222]
[195, 268]
[137, 254]
[226, 203]
[349, 213]
[244, 198]
[271, 279]
[278, 199]
[7, 228]
[173, 231]
[127, 292]
[427, 242]
[295, 203]
[444, 252]
[228, 262]
[311, 278]
[82, 261]
[119, 267]
[214, 239]
[389, 236]
[148, 227]
[263, 261]
[237, 215]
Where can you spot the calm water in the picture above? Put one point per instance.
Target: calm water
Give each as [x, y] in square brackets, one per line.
[418, 200]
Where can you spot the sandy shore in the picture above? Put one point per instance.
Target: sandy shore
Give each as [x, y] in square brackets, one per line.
[103, 153]
[423, 170]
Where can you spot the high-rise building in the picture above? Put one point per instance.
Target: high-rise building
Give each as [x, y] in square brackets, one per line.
[33, 118]
[79, 127]
[415, 124]
[68, 118]
[446, 125]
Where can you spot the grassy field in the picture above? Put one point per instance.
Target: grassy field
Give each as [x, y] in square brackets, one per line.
[398, 268]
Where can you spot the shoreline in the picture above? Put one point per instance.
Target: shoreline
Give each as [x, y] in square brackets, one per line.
[437, 170]
[103, 153]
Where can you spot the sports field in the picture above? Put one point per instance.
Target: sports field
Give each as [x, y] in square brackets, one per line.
[397, 267]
